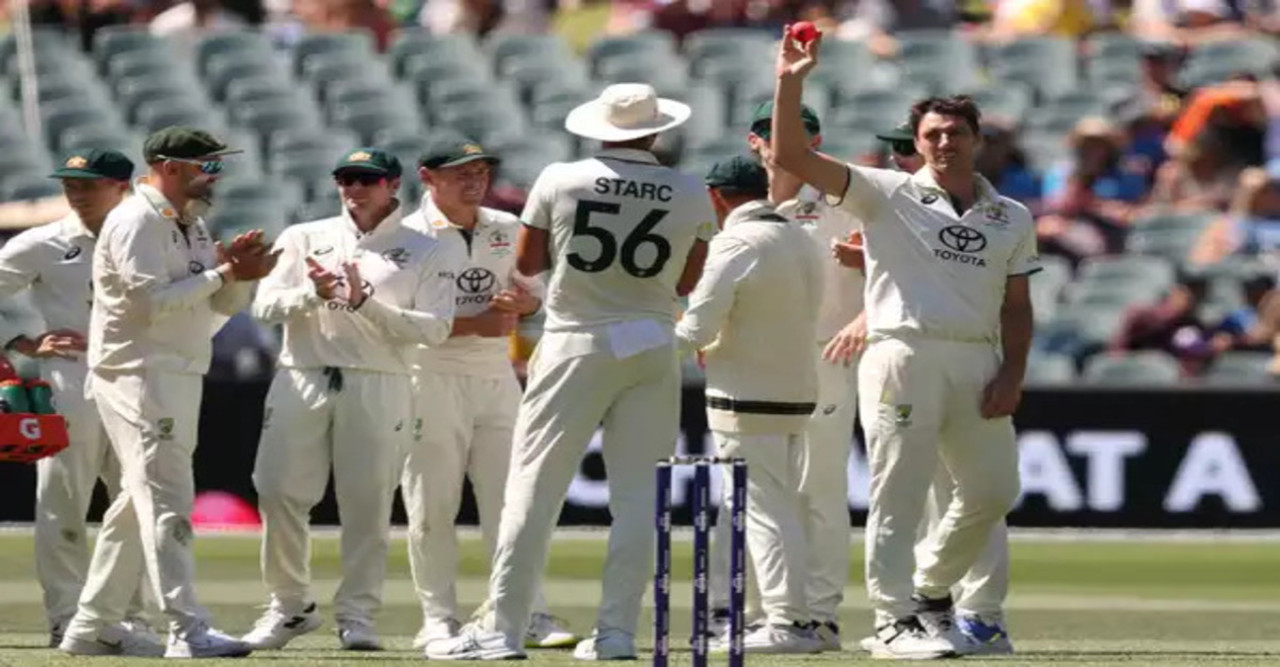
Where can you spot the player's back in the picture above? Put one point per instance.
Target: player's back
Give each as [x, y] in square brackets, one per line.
[621, 228]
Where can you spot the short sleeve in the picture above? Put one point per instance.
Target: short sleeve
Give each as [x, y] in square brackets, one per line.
[867, 191]
[1025, 259]
[541, 198]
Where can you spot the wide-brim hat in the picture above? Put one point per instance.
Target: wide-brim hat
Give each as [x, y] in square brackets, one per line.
[626, 111]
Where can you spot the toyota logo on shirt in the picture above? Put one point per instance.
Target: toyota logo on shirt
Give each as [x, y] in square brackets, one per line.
[962, 243]
[475, 285]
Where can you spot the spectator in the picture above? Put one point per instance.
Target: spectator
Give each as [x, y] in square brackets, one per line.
[1173, 326]
[186, 21]
[1251, 227]
[1002, 162]
[1201, 177]
[1183, 21]
[1090, 199]
[1158, 94]
[874, 22]
[1015, 19]
[82, 17]
[1254, 324]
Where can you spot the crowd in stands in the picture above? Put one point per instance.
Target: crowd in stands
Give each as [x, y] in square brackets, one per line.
[1144, 134]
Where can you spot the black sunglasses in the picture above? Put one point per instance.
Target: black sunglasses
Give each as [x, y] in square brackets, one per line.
[359, 177]
[903, 148]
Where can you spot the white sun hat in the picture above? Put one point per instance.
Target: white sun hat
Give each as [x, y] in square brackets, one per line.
[626, 111]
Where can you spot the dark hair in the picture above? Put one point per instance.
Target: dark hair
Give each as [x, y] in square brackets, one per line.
[956, 105]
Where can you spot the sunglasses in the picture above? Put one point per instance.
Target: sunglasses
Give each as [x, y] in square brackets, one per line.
[361, 178]
[902, 148]
[206, 166]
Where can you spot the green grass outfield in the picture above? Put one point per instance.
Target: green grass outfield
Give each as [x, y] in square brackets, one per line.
[1123, 599]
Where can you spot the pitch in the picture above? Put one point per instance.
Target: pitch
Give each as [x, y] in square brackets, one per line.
[1122, 600]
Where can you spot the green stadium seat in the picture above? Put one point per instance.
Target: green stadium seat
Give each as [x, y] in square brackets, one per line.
[332, 139]
[357, 45]
[243, 44]
[729, 43]
[664, 73]
[223, 70]
[486, 125]
[25, 165]
[1048, 64]
[163, 113]
[324, 73]
[369, 119]
[1049, 369]
[1242, 369]
[524, 158]
[528, 75]
[267, 119]
[260, 90]
[136, 95]
[1134, 368]
[424, 69]
[90, 137]
[1047, 286]
[506, 49]
[57, 119]
[29, 188]
[1081, 329]
[424, 47]
[113, 40]
[317, 209]
[408, 146]
[872, 110]
[1009, 101]
[1166, 235]
[1122, 269]
[652, 44]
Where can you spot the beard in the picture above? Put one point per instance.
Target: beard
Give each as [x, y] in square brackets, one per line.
[199, 200]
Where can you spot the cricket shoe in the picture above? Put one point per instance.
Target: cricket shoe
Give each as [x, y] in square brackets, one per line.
[140, 627]
[721, 619]
[82, 639]
[358, 635]
[57, 628]
[771, 638]
[827, 634]
[938, 617]
[436, 628]
[984, 638]
[474, 643]
[606, 645]
[547, 631]
[906, 639]
[276, 627]
[203, 641]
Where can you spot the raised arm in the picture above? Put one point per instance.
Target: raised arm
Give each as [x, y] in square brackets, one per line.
[789, 141]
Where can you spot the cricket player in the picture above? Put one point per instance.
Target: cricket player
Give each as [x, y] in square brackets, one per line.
[624, 237]
[356, 294]
[161, 288]
[55, 261]
[465, 389]
[949, 326]
[753, 314]
[980, 595]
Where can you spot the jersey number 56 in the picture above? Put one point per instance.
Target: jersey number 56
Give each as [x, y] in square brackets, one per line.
[638, 237]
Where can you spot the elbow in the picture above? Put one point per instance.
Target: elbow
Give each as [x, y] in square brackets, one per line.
[529, 266]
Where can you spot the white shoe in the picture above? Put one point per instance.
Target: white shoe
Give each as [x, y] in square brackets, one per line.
[720, 621]
[906, 639]
[606, 645]
[473, 643]
[436, 628]
[358, 636]
[828, 636]
[938, 618]
[203, 641]
[772, 638]
[141, 628]
[79, 639]
[276, 628]
[546, 631]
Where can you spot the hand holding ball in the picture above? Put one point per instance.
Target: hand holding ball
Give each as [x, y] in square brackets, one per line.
[804, 32]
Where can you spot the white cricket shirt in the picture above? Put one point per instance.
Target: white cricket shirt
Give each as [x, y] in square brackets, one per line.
[490, 267]
[621, 228]
[841, 286]
[157, 297]
[408, 278]
[55, 261]
[754, 313]
[931, 271]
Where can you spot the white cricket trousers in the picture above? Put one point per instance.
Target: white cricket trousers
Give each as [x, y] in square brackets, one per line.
[569, 395]
[466, 428]
[920, 401]
[775, 519]
[64, 491]
[152, 418]
[983, 589]
[357, 424]
[829, 438]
